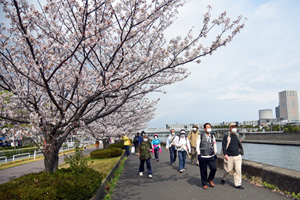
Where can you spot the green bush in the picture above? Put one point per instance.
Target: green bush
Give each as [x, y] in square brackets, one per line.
[117, 145]
[106, 153]
[77, 162]
[12, 152]
[62, 184]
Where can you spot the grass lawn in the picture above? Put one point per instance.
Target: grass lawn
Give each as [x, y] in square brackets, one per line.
[101, 165]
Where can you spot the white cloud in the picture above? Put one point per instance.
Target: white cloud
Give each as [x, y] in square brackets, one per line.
[242, 78]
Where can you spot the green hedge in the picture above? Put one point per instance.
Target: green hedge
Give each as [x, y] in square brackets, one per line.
[62, 184]
[10, 153]
[17, 147]
[117, 145]
[106, 153]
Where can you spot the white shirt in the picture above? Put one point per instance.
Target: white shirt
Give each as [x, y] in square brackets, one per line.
[183, 144]
[199, 141]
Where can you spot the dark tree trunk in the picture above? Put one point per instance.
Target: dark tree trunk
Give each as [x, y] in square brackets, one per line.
[51, 153]
[51, 158]
[105, 143]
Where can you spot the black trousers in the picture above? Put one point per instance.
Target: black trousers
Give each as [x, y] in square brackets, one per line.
[211, 163]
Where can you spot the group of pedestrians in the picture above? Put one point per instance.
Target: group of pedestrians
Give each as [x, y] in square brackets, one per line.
[201, 147]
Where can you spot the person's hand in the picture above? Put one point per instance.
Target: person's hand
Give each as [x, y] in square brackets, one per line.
[138, 154]
[226, 157]
[167, 149]
[150, 149]
[173, 144]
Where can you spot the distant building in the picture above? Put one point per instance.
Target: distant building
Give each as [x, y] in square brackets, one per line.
[250, 123]
[265, 114]
[288, 105]
[277, 113]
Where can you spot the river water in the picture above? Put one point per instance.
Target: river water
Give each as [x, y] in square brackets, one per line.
[284, 156]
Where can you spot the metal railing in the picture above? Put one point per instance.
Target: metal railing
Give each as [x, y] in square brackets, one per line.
[22, 154]
[4, 158]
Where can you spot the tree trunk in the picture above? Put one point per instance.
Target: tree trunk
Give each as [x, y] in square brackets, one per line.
[105, 143]
[51, 158]
[51, 152]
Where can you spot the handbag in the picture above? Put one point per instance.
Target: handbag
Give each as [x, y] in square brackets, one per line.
[132, 149]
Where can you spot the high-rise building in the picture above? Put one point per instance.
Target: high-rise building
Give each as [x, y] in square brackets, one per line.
[288, 105]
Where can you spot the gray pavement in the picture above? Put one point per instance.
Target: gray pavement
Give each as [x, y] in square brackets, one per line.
[37, 166]
[168, 183]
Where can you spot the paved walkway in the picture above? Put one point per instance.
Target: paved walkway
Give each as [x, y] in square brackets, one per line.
[168, 184]
[37, 166]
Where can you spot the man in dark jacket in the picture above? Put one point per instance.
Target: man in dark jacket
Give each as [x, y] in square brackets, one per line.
[232, 150]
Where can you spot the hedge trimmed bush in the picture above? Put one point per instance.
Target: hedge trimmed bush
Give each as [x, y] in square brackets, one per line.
[62, 184]
[117, 145]
[12, 152]
[106, 153]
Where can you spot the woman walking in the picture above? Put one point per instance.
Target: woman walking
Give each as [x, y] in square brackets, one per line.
[183, 147]
[127, 143]
[156, 147]
[144, 152]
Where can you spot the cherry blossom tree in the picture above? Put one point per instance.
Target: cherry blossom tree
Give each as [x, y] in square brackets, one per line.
[73, 63]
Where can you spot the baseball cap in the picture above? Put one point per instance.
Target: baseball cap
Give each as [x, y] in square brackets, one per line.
[233, 124]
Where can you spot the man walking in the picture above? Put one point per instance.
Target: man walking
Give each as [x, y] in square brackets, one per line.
[193, 136]
[207, 150]
[232, 149]
[171, 147]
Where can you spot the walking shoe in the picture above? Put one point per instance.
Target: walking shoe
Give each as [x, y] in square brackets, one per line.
[141, 173]
[183, 170]
[205, 187]
[173, 164]
[211, 183]
[222, 182]
[192, 163]
[239, 187]
[157, 160]
[180, 171]
[150, 175]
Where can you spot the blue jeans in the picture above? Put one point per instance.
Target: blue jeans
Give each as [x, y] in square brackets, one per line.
[182, 157]
[142, 163]
[127, 150]
[173, 154]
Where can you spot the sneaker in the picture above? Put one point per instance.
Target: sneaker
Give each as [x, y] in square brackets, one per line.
[173, 164]
[180, 171]
[239, 187]
[141, 173]
[183, 170]
[222, 182]
[157, 160]
[150, 175]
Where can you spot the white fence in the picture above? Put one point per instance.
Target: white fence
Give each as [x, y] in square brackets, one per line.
[22, 154]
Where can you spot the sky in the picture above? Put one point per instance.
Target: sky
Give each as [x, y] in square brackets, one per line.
[242, 78]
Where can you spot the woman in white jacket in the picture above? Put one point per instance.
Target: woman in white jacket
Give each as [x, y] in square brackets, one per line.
[183, 147]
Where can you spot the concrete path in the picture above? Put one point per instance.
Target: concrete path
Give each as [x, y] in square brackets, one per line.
[37, 166]
[168, 184]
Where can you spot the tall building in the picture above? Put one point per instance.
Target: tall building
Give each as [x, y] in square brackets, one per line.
[288, 105]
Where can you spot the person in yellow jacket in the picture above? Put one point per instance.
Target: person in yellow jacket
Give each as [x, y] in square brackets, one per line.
[193, 136]
[127, 143]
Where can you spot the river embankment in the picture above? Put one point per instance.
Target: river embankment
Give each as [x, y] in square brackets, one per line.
[268, 138]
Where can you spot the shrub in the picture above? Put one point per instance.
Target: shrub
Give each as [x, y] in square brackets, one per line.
[117, 145]
[62, 184]
[77, 162]
[106, 153]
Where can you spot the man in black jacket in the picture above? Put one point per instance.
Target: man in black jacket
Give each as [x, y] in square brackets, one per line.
[232, 150]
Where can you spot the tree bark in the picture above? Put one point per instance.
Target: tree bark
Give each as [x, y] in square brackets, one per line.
[105, 143]
[51, 153]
